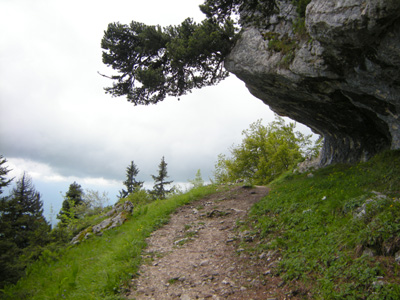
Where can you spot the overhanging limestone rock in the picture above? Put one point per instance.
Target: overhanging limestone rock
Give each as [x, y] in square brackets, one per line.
[341, 78]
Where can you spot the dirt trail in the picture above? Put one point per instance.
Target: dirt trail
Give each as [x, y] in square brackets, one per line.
[197, 254]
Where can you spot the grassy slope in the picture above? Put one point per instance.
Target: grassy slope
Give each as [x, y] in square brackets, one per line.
[99, 267]
[310, 220]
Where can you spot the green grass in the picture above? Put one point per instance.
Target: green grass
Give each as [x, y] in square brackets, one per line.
[310, 220]
[100, 267]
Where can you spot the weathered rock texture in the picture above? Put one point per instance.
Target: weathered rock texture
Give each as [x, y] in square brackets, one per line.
[340, 76]
[117, 216]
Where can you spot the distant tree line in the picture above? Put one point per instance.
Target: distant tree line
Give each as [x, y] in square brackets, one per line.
[24, 231]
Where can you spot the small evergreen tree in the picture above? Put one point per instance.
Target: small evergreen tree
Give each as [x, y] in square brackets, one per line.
[198, 180]
[132, 185]
[3, 172]
[159, 190]
[73, 198]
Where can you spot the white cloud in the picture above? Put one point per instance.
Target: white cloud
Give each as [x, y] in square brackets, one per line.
[44, 173]
[57, 123]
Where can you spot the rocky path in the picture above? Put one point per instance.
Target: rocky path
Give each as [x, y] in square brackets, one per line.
[197, 255]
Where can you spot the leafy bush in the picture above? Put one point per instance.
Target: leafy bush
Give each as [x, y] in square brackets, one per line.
[264, 154]
[140, 197]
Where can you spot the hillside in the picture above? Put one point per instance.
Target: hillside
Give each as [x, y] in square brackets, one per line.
[332, 233]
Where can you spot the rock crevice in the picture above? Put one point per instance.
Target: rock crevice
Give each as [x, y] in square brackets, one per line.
[340, 76]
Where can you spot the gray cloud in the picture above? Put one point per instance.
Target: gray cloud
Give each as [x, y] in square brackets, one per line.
[54, 110]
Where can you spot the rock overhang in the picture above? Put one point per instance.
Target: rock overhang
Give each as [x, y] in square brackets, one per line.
[342, 80]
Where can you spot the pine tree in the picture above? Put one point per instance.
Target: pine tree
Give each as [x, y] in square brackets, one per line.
[3, 171]
[154, 62]
[159, 190]
[73, 198]
[132, 185]
[26, 211]
[24, 230]
[8, 249]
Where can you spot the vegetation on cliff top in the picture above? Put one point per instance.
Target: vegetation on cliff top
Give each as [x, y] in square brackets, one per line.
[154, 62]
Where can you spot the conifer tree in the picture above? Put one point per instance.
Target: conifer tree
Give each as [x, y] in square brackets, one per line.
[8, 248]
[23, 229]
[132, 185]
[26, 212]
[160, 182]
[3, 172]
[73, 198]
[153, 62]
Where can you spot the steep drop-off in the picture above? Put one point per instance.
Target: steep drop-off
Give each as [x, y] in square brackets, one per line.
[336, 71]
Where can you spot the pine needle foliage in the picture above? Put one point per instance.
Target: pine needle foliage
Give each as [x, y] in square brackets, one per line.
[155, 62]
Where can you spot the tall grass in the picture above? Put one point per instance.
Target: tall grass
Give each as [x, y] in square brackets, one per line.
[100, 267]
[311, 221]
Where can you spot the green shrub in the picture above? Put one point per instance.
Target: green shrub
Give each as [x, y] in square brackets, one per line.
[140, 197]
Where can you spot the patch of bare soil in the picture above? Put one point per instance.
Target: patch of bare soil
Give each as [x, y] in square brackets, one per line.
[197, 255]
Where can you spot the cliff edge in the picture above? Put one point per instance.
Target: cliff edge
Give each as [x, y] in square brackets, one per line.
[337, 70]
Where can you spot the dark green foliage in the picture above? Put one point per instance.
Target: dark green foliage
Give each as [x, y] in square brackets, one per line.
[248, 10]
[160, 182]
[9, 270]
[25, 211]
[301, 7]
[155, 62]
[132, 185]
[3, 172]
[23, 230]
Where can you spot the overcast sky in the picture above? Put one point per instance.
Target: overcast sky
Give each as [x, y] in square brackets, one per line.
[57, 124]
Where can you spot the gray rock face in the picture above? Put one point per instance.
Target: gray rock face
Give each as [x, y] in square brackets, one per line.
[117, 216]
[341, 78]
